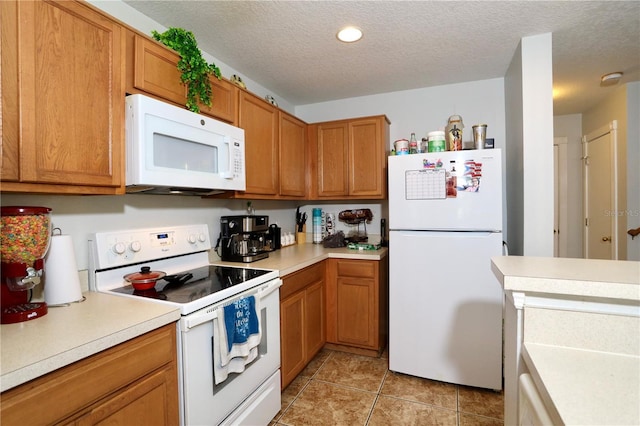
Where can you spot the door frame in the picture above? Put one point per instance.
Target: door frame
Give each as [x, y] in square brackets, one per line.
[561, 217]
[611, 128]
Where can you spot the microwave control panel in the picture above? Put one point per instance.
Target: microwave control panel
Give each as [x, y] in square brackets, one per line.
[237, 160]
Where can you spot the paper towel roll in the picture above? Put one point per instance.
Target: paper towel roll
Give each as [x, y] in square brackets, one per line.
[62, 283]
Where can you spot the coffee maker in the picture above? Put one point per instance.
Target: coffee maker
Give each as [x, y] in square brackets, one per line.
[244, 238]
[25, 235]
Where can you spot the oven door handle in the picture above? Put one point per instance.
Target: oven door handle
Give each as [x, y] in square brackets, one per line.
[212, 314]
[192, 322]
[270, 288]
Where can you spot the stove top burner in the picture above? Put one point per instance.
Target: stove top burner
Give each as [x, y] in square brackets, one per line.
[198, 283]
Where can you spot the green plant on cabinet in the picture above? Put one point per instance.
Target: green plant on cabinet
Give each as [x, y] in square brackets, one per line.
[194, 68]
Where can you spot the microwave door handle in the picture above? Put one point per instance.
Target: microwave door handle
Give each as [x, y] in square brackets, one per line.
[227, 173]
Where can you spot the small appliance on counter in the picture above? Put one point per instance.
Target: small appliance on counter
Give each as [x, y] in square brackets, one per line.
[245, 238]
[356, 217]
[63, 282]
[25, 237]
[274, 237]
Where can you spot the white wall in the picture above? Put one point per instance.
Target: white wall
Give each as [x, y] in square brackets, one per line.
[79, 216]
[423, 110]
[570, 126]
[513, 155]
[529, 105]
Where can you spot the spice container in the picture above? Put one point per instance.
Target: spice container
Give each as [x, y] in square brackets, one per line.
[436, 141]
[401, 146]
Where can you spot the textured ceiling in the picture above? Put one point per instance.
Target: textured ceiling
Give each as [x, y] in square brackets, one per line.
[290, 46]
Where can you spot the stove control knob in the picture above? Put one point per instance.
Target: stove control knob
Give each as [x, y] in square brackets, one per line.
[119, 248]
[135, 246]
[192, 238]
[202, 238]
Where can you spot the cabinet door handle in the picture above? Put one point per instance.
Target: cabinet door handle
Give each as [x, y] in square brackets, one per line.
[605, 239]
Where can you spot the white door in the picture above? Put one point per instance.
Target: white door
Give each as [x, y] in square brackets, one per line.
[600, 194]
[560, 216]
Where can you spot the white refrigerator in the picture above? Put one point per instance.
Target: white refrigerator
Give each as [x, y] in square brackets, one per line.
[445, 304]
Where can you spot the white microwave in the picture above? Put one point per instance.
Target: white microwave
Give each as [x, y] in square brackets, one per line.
[170, 150]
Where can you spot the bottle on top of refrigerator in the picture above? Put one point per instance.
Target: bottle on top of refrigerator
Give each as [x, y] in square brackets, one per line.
[454, 133]
[413, 144]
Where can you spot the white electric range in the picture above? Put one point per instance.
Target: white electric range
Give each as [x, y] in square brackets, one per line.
[199, 289]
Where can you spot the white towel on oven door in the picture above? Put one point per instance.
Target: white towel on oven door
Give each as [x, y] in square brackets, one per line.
[227, 361]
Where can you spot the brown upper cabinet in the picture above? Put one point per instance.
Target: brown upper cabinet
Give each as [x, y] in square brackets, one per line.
[349, 158]
[151, 69]
[66, 68]
[62, 99]
[275, 151]
[260, 122]
[292, 154]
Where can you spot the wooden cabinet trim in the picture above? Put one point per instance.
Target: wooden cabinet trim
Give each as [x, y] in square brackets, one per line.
[140, 403]
[155, 70]
[9, 111]
[333, 159]
[298, 280]
[366, 163]
[59, 394]
[292, 351]
[224, 101]
[259, 119]
[357, 268]
[351, 157]
[302, 319]
[292, 152]
[356, 305]
[61, 140]
[357, 314]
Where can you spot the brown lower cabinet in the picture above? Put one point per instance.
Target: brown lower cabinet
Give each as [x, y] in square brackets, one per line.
[135, 382]
[302, 330]
[357, 306]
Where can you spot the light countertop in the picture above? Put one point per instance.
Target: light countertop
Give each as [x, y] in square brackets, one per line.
[610, 279]
[297, 256]
[582, 387]
[581, 356]
[70, 333]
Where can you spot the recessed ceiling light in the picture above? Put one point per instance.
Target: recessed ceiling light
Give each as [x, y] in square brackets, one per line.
[349, 34]
[611, 78]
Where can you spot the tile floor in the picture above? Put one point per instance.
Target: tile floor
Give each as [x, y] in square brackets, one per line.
[338, 388]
